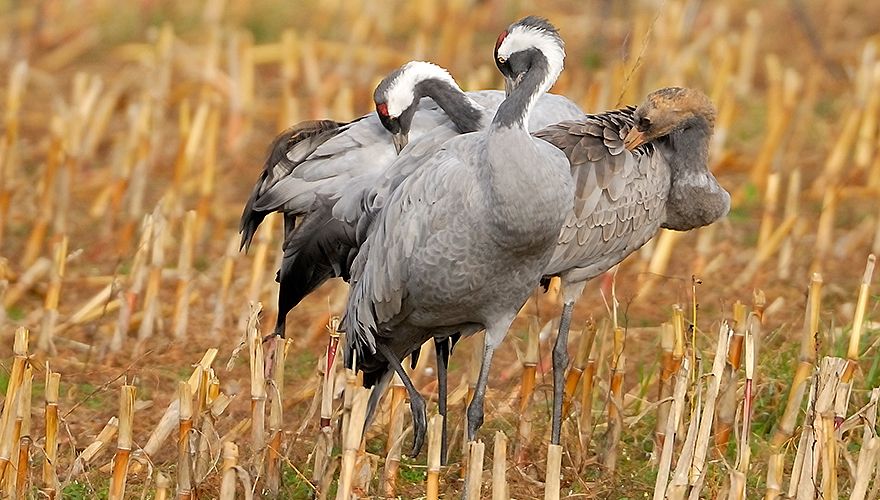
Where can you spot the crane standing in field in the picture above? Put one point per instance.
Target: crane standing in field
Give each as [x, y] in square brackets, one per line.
[635, 171]
[457, 244]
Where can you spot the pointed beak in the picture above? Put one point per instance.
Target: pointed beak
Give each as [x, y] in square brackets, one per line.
[634, 139]
[511, 84]
[400, 141]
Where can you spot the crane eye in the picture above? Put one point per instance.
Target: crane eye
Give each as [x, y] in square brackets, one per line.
[644, 123]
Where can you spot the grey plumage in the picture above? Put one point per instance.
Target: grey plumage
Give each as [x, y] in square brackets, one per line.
[623, 197]
[457, 243]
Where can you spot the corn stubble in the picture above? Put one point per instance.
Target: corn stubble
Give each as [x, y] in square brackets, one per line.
[150, 146]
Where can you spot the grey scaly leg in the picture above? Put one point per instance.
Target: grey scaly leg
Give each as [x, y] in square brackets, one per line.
[560, 363]
[416, 401]
[495, 333]
[441, 347]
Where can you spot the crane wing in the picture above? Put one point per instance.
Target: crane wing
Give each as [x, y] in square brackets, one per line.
[619, 194]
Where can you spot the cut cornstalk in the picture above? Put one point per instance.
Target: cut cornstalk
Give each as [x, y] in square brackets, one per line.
[830, 372]
[14, 91]
[50, 310]
[825, 227]
[276, 422]
[258, 384]
[474, 479]
[664, 387]
[170, 419]
[258, 268]
[17, 478]
[50, 474]
[154, 276]
[792, 199]
[701, 447]
[435, 431]
[47, 197]
[226, 275]
[678, 485]
[806, 465]
[786, 425]
[499, 467]
[673, 422]
[184, 453]
[585, 423]
[22, 467]
[395, 437]
[324, 447]
[727, 402]
[163, 484]
[184, 276]
[92, 450]
[209, 441]
[554, 472]
[852, 353]
[526, 391]
[771, 202]
[585, 345]
[228, 468]
[352, 444]
[16, 378]
[867, 459]
[744, 451]
[123, 443]
[615, 401]
[26, 281]
[135, 285]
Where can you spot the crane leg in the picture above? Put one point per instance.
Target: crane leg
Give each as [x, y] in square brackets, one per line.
[560, 363]
[495, 333]
[416, 401]
[441, 347]
[375, 396]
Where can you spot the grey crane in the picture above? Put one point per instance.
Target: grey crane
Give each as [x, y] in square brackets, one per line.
[456, 241]
[635, 171]
[321, 247]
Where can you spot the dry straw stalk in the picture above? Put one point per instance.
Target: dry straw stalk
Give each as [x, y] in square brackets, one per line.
[123, 442]
[435, 431]
[786, 425]
[50, 474]
[499, 467]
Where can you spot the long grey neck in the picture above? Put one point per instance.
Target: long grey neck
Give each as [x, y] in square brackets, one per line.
[529, 188]
[515, 110]
[466, 114]
[695, 199]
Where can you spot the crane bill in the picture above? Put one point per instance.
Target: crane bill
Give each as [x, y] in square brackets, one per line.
[634, 139]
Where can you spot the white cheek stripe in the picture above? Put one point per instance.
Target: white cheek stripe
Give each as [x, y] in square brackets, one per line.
[523, 37]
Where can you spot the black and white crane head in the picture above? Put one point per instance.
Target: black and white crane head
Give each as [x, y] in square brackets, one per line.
[397, 97]
[531, 40]
[667, 110]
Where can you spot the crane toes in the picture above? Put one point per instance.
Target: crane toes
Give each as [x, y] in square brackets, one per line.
[475, 418]
[420, 424]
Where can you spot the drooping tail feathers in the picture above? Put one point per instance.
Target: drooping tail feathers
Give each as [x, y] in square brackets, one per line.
[288, 150]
